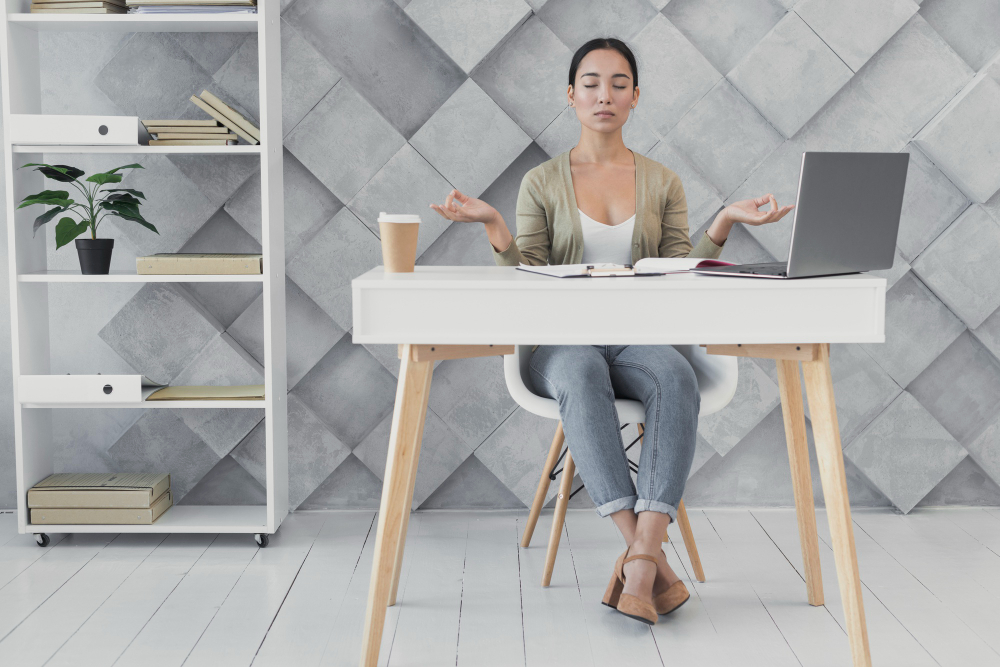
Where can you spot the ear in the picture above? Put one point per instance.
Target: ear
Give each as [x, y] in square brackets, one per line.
[635, 96]
[569, 95]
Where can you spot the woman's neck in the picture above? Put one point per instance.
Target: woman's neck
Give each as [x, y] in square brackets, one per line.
[601, 148]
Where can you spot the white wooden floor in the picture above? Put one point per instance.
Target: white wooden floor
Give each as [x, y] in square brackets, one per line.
[470, 596]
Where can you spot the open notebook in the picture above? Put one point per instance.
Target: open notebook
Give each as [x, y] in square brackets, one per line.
[650, 266]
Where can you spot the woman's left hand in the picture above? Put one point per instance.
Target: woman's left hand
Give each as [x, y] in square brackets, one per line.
[746, 211]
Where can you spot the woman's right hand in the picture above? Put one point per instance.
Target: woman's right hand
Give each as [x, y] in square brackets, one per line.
[462, 208]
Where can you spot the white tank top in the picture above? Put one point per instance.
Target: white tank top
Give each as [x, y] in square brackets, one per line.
[606, 243]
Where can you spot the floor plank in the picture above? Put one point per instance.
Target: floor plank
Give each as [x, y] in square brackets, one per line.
[490, 630]
[342, 647]
[170, 634]
[427, 628]
[892, 644]
[555, 627]
[20, 552]
[595, 545]
[300, 630]
[45, 575]
[237, 630]
[811, 632]
[944, 559]
[107, 632]
[746, 630]
[41, 634]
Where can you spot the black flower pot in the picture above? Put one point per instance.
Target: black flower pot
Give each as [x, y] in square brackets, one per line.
[95, 255]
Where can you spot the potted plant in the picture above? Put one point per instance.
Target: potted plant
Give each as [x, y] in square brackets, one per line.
[94, 253]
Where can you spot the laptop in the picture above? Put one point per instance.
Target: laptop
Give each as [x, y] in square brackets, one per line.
[845, 220]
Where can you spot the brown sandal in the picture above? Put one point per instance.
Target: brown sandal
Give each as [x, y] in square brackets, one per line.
[625, 603]
[672, 598]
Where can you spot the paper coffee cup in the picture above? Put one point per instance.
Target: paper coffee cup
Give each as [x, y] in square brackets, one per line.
[399, 241]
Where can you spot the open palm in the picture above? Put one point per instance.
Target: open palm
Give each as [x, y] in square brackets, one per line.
[747, 212]
[463, 208]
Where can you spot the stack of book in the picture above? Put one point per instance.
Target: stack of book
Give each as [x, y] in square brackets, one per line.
[188, 133]
[100, 498]
[225, 129]
[192, 6]
[189, 263]
[78, 7]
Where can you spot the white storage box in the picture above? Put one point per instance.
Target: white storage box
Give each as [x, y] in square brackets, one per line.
[40, 129]
[84, 389]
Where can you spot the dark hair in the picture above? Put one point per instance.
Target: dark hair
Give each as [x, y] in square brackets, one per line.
[603, 43]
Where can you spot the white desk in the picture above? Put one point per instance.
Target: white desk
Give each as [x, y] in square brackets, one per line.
[454, 312]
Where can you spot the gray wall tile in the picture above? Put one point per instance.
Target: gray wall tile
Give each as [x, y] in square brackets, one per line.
[493, 22]
[855, 29]
[470, 117]
[930, 203]
[414, 75]
[575, 20]
[969, 26]
[724, 31]
[756, 395]
[918, 327]
[789, 74]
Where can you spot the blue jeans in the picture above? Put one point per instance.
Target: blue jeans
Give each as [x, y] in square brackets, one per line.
[585, 380]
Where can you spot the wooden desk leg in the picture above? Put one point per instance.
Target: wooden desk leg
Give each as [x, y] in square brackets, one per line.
[412, 389]
[819, 387]
[798, 458]
[412, 476]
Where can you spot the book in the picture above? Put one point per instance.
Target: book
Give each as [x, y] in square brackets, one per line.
[211, 111]
[177, 263]
[253, 392]
[202, 132]
[36, 9]
[95, 515]
[649, 266]
[101, 490]
[99, 4]
[193, 3]
[181, 123]
[191, 142]
[169, 136]
[232, 114]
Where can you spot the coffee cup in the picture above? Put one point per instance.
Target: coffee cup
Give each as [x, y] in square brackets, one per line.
[399, 241]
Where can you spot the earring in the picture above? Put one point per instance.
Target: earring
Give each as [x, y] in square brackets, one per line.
[633, 106]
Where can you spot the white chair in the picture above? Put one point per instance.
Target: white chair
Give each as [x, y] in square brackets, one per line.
[717, 377]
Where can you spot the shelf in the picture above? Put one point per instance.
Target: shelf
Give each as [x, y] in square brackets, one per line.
[136, 22]
[139, 150]
[129, 277]
[199, 405]
[178, 519]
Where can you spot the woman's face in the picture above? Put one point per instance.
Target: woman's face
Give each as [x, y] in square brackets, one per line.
[604, 93]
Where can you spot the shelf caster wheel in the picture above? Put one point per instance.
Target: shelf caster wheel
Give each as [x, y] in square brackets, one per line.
[42, 539]
[260, 538]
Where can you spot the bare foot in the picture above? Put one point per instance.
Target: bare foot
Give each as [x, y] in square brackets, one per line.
[640, 575]
[665, 576]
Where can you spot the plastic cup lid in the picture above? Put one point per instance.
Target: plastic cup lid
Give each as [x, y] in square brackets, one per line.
[397, 217]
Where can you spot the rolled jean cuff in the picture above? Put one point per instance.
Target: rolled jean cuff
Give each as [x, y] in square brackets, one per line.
[656, 506]
[625, 503]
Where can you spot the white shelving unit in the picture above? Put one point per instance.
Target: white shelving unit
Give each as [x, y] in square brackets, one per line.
[30, 277]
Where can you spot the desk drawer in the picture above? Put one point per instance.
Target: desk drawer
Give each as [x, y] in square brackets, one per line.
[82, 389]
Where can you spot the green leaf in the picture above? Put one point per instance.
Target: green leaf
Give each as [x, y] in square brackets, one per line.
[58, 172]
[127, 211]
[126, 166]
[123, 197]
[128, 190]
[67, 230]
[48, 198]
[106, 177]
[45, 217]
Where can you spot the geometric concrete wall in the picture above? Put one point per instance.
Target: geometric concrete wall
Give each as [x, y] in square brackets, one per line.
[387, 106]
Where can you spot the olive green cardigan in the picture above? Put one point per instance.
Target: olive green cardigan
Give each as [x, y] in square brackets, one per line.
[548, 220]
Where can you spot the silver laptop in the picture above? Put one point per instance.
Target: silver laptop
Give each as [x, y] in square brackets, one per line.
[845, 220]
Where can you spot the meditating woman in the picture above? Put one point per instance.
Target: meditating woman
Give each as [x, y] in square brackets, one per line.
[600, 202]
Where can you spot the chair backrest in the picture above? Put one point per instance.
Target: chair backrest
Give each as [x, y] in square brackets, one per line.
[717, 379]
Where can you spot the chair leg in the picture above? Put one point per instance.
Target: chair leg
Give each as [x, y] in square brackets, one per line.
[562, 500]
[689, 543]
[543, 485]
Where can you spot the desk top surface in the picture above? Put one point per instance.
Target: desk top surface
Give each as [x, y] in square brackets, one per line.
[509, 277]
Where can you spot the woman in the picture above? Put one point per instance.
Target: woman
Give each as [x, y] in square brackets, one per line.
[600, 202]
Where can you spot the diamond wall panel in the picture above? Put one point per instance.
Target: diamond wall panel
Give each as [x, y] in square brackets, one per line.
[389, 105]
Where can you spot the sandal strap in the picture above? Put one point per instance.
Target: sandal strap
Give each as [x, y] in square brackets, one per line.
[639, 557]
